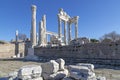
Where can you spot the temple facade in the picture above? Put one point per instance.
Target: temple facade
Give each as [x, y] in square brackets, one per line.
[59, 38]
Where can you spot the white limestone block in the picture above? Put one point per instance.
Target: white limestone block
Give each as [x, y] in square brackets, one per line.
[101, 78]
[50, 67]
[36, 69]
[12, 75]
[80, 72]
[90, 66]
[24, 71]
[61, 63]
[27, 71]
[56, 76]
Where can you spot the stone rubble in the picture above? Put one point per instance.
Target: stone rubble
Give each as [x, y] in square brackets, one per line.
[81, 72]
[12, 75]
[90, 66]
[55, 70]
[50, 67]
[61, 63]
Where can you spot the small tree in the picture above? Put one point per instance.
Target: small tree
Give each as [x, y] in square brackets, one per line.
[22, 36]
[113, 36]
[94, 40]
[3, 42]
[106, 40]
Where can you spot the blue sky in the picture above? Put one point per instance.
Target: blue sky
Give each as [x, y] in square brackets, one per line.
[97, 17]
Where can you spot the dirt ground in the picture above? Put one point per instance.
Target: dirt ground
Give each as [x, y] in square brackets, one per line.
[7, 66]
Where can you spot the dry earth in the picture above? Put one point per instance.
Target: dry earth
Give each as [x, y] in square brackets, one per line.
[7, 66]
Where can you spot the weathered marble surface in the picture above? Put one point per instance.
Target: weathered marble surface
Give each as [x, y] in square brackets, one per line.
[55, 71]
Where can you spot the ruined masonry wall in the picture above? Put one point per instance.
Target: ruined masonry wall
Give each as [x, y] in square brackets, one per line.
[91, 51]
[9, 50]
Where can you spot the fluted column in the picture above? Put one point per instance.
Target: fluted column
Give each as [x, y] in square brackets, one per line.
[69, 32]
[33, 27]
[76, 27]
[65, 34]
[59, 28]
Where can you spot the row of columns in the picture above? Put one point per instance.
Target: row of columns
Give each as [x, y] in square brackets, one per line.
[60, 30]
[75, 21]
[62, 16]
[42, 32]
[69, 22]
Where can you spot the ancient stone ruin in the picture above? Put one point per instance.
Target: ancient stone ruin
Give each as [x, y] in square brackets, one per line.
[55, 70]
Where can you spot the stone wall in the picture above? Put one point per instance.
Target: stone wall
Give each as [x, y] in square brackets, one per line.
[21, 49]
[9, 50]
[100, 52]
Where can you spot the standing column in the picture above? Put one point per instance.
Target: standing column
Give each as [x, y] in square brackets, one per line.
[16, 44]
[44, 25]
[39, 42]
[76, 27]
[41, 33]
[16, 35]
[65, 35]
[37, 39]
[33, 27]
[59, 28]
[69, 32]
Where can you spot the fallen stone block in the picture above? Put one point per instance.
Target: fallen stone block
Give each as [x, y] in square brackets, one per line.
[56, 76]
[50, 67]
[90, 66]
[29, 71]
[12, 75]
[101, 78]
[28, 77]
[61, 63]
[80, 72]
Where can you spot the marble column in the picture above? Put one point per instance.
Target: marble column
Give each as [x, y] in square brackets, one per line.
[76, 27]
[44, 25]
[69, 32]
[16, 44]
[41, 33]
[33, 27]
[39, 40]
[59, 28]
[16, 35]
[65, 34]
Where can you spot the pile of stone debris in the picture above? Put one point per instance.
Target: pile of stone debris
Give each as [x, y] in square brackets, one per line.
[55, 70]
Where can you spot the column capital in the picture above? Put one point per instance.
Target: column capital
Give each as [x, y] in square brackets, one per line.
[33, 7]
